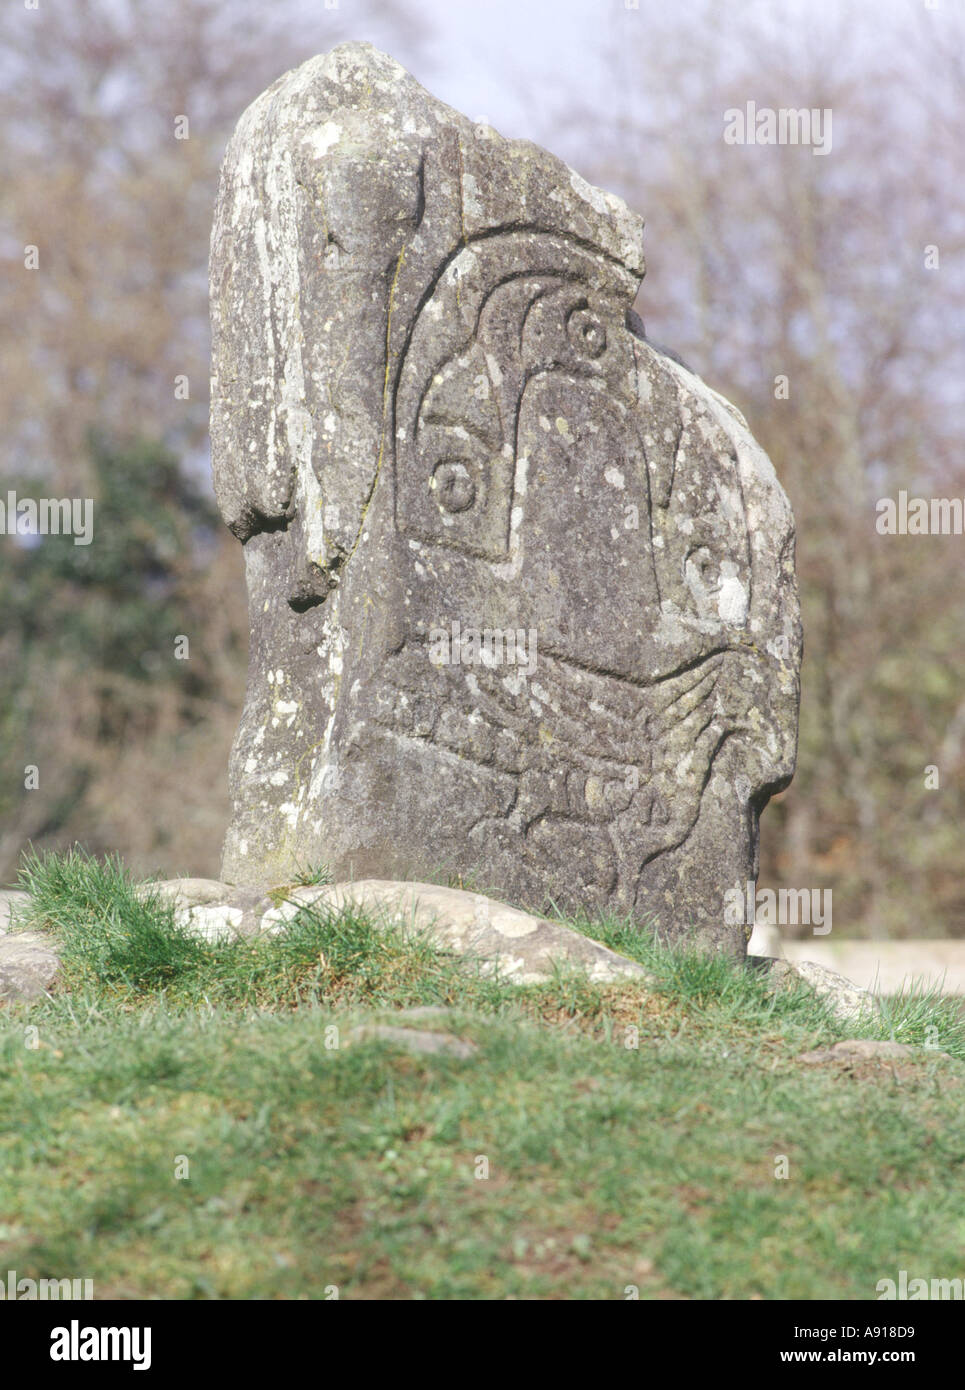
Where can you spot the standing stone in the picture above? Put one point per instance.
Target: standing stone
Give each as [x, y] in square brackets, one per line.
[521, 587]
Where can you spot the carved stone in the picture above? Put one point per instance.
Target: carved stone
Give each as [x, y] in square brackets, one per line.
[521, 587]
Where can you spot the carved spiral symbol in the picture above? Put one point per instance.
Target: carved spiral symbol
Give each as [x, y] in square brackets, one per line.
[454, 489]
[586, 333]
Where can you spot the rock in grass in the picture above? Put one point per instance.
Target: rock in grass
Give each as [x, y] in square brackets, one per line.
[213, 911]
[413, 1040]
[524, 949]
[11, 899]
[847, 1002]
[186, 892]
[522, 597]
[29, 966]
[215, 923]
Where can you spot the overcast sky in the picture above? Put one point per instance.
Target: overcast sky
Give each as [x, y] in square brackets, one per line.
[519, 62]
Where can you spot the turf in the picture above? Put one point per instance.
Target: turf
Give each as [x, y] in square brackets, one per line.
[190, 1121]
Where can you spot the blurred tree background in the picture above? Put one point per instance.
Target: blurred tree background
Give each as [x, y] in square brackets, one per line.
[769, 262]
[765, 262]
[104, 394]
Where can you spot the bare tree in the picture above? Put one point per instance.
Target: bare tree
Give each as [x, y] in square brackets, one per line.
[801, 284]
[114, 115]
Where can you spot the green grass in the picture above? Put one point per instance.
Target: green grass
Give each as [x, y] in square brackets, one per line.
[631, 1133]
[921, 1017]
[313, 874]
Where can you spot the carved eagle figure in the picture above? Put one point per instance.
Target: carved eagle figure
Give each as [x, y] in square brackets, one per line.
[537, 434]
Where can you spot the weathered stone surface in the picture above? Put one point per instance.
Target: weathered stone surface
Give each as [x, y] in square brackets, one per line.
[413, 1040]
[765, 940]
[212, 922]
[11, 899]
[212, 910]
[847, 1002]
[521, 587]
[280, 914]
[524, 949]
[29, 966]
[187, 892]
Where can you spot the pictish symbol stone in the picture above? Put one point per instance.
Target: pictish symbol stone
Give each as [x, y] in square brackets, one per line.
[554, 624]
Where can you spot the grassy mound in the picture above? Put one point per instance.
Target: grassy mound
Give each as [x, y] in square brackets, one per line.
[186, 1120]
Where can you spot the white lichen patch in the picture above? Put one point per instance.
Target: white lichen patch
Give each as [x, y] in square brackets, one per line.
[732, 597]
[322, 138]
